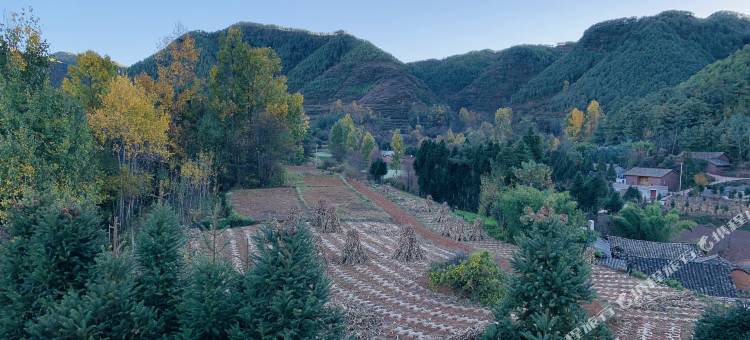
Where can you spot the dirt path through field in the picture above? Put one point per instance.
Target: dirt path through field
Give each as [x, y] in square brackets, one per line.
[402, 217]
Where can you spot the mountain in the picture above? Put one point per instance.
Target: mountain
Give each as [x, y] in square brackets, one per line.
[616, 62]
[58, 66]
[621, 60]
[512, 69]
[484, 80]
[446, 77]
[324, 67]
[692, 112]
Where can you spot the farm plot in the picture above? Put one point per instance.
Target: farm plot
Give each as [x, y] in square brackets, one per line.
[666, 314]
[264, 204]
[350, 205]
[392, 291]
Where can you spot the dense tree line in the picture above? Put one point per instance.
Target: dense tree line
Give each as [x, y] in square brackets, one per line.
[709, 111]
[90, 246]
[60, 282]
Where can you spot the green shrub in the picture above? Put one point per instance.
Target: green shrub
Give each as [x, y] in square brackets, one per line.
[721, 322]
[477, 277]
[638, 275]
[673, 283]
[490, 224]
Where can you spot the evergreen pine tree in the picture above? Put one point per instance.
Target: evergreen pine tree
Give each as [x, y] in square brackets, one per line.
[551, 281]
[578, 188]
[611, 174]
[52, 250]
[284, 295]
[109, 308]
[719, 322]
[210, 302]
[614, 203]
[157, 251]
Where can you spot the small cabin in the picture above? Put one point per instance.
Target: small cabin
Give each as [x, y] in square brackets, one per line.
[716, 162]
[656, 180]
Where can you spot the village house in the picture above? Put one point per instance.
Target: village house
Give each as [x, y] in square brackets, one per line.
[706, 274]
[651, 182]
[716, 162]
[386, 155]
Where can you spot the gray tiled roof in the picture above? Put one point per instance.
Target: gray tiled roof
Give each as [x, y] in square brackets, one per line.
[718, 162]
[703, 155]
[647, 172]
[706, 278]
[624, 247]
[616, 264]
[602, 246]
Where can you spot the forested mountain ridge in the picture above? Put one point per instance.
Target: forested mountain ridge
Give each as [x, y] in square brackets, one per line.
[615, 62]
[323, 66]
[708, 110]
[619, 60]
[58, 66]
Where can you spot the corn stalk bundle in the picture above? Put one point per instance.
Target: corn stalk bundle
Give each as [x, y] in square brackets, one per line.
[354, 252]
[408, 249]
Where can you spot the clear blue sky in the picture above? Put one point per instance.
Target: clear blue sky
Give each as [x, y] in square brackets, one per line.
[409, 29]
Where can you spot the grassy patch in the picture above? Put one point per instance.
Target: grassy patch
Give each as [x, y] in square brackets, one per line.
[490, 224]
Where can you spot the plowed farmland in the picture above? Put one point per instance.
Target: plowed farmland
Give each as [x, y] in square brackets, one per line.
[264, 204]
[392, 294]
[666, 314]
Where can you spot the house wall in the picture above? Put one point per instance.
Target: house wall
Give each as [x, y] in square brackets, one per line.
[741, 279]
[670, 180]
[712, 168]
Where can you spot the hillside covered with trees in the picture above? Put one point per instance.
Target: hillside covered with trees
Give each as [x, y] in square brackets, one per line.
[615, 62]
[323, 66]
[707, 111]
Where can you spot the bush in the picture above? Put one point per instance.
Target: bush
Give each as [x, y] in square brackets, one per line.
[673, 284]
[477, 277]
[649, 223]
[378, 169]
[724, 323]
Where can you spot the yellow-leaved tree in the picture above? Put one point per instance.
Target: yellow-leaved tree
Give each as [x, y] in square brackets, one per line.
[593, 116]
[129, 124]
[503, 123]
[574, 125]
[88, 78]
[397, 144]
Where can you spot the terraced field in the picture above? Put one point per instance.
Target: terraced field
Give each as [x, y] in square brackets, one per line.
[393, 291]
[396, 294]
[666, 314]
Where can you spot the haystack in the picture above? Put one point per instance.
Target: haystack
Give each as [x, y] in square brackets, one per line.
[428, 203]
[353, 252]
[293, 217]
[476, 231]
[408, 249]
[444, 213]
[331, 223]
[320, 249]
[320, 212]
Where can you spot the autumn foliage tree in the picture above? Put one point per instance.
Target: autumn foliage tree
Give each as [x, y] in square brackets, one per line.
[88, 79]
[581, 126]
[135, 132]
[45, 144]
[397, 144]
